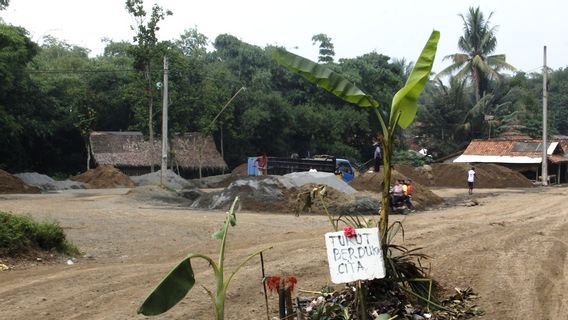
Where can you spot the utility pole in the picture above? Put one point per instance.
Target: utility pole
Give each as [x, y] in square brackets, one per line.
[164, 123]
[544, 122]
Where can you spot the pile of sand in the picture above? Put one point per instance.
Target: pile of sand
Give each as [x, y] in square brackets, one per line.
[421, 198]
[336, 202]
[12, 184]
[240, 171]
[104, 177]
[454, 175]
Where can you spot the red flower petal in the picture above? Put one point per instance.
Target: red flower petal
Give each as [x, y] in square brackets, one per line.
[349, 231]
[273, 283]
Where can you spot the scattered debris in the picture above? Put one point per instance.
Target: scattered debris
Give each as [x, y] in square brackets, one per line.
[393, 301]
[471, 203]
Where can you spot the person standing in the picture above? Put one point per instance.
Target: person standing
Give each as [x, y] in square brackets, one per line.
[378, 156]
[261, 163]
[471, 179]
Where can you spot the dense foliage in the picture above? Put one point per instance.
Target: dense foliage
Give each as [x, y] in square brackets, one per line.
[21, 234]
[53, 94]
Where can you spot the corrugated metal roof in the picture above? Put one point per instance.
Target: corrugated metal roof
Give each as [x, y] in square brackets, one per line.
[497, 159]
[530, 148]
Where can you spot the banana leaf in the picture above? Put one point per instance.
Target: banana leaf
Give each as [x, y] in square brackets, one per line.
[170, 291]
[324, 77]
[404, 101]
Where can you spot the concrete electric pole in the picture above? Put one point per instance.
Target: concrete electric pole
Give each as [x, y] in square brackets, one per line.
[544, 122]
[164, 124]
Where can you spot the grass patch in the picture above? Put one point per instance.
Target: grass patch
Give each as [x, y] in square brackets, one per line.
[21, 234]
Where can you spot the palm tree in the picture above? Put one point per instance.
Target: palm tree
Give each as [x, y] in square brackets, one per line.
[477, 44]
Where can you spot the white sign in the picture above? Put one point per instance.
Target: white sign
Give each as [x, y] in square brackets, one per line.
[359, 257]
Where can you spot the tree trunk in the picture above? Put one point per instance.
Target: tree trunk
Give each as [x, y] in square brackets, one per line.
[88, 147]
[385, 197]
[477, 83]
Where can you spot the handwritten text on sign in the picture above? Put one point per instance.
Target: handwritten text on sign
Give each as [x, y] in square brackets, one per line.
[355, 258]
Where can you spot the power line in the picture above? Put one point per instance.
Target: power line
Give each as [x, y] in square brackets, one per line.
[81, 71]
[87, 71]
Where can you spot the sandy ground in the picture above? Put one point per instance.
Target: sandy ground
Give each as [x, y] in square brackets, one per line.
[511, 249]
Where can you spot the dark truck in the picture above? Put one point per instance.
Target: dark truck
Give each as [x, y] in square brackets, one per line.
[282, 166]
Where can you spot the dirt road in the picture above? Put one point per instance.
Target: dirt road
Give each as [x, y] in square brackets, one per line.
[511, 249]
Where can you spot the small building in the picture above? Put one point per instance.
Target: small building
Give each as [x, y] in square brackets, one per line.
[132, 154]
[522, 155]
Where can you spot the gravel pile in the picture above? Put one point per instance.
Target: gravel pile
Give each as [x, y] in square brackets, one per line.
[298, 179]
[170, 178]
[46, 183]
[256, 194]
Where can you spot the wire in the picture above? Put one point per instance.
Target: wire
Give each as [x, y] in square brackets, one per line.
[80, 71]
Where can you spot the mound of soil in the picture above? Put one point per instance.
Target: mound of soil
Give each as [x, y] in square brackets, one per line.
[217, 181]
[157, 195]
[336, 202]
[454, 175]
[104, 177]
[279, 195]
[12, 184]
[256, 194]
[240, 171]
[170, 179]
[372, 181]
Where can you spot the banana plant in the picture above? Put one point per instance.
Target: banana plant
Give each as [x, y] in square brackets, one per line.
[403, 106]
[175, 286]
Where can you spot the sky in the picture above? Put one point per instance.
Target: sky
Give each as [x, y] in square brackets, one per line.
[398, 29]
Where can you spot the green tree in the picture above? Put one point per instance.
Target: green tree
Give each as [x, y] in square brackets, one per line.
[475, 61]
[558, 102]
[193, 43]
[440, 117]
[326, 52]
[146, 51]
[4, 4]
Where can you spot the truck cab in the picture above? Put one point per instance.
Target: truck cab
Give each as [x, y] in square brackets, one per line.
[343, 166]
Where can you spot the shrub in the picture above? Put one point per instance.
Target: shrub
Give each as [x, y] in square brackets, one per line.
[411, 158]
[20, 234]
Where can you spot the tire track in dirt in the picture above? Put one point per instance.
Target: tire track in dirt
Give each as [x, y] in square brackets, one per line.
[511, 249]
[498, 248]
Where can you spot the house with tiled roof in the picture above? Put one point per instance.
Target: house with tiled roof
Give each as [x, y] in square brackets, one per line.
[522, 155]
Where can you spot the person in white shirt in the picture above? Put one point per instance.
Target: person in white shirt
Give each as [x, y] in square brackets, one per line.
[471, 179]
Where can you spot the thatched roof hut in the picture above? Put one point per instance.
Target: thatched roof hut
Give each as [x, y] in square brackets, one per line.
[129, 152]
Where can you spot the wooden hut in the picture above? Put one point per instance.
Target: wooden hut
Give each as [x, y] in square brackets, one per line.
[129, 152]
